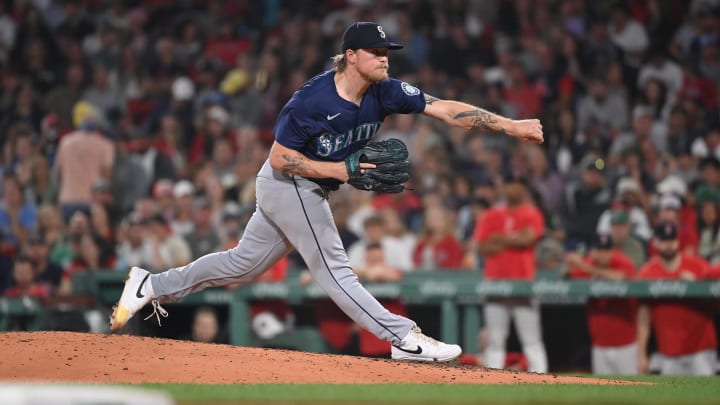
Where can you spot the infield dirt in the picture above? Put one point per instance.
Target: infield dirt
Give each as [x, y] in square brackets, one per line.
[93, 358]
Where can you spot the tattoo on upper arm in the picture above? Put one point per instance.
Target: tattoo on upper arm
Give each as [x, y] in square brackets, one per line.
[298, 165]
[481, 119]
[430, 99]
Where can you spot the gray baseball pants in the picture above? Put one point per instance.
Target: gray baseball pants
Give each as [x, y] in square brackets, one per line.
[292, 212]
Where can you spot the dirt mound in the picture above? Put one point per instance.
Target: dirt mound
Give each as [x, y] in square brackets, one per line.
[79, 357]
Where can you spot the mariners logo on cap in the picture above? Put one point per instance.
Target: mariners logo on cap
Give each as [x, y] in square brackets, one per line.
[382, 33]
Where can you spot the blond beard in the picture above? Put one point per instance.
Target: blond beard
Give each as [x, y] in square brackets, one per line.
[376, 75]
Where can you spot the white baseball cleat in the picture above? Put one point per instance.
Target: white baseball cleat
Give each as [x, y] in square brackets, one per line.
[136, 294]
[418, 347]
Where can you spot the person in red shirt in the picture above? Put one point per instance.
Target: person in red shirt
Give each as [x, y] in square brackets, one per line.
[611, 322]
[507, 235]
[438, 248]
[684, 328]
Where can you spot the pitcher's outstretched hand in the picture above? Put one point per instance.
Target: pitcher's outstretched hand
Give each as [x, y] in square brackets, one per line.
[527, 130]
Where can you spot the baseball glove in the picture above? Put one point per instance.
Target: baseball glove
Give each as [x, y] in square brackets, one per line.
[390, 157]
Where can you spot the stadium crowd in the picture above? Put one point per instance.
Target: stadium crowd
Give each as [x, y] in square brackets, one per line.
[131, 133]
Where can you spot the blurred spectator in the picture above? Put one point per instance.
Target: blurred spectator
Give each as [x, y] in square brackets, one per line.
[206, 327]
[684, 328]
[89, 256]
[549, 183]
[709, 231]
[341, 206]
[631, 198]
[397, 238]
[171, 141]
[62, 99]
[8, 28]
[628, 34]
[182, 221]
[232, 222]
[154, 162]
[709, 179]
[375, 232]
[17, 216]
[507, 236]
[163, 194]
[134, 249]
[663, 69]
[669, 210]
[102, 197]
[611, 322]
[609, 110]
[625, 241]
[47, 271]
[51, 226]
[438, 248]
[103, 94]
[26, 285]
[216, 126]
[169, 250]
[83, 157]
[204, 238]
[586, 200]
[521, 93]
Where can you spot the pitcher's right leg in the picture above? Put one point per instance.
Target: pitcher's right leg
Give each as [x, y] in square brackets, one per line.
[261, 246]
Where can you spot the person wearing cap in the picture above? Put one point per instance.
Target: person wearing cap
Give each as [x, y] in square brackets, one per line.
[182, 222]
[216, 125]
[684, 328]
[135, 249]
[330, 117]
[204, 238]
[670, 210]
[625, 241]
[611, 322]
[710, 178]
[629, 196]
[507, 236]
[83, 157]
[585, 202]
[38, 251]
[168, 249]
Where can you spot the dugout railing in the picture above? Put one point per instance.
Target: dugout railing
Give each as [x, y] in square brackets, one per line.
[459, 295]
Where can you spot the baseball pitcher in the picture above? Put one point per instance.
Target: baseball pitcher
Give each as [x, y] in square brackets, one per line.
[320, 142]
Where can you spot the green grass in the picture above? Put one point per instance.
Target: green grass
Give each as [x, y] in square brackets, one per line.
[667, 390]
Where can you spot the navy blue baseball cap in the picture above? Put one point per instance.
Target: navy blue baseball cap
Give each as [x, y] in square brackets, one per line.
[365, 35]
[666, 231]
[602, 242]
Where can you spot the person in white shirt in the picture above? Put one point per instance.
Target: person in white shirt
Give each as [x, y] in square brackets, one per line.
[629, 193]
[628, 34]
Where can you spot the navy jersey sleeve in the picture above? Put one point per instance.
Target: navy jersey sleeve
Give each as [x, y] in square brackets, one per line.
[292, 131]
[401, 97]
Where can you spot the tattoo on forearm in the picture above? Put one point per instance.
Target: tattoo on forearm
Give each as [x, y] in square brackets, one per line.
[298, 165]
[481, 119]
[430, 99]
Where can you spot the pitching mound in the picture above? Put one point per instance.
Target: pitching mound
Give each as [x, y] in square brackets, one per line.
[79, 357]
